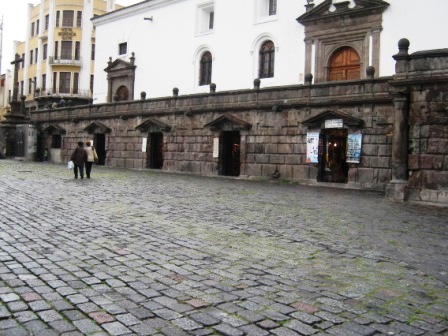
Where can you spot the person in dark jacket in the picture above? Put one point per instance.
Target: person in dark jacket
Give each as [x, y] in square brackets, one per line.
[79, 158]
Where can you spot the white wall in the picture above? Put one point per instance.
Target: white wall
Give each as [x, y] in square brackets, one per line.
[168, 47]
[423, 23]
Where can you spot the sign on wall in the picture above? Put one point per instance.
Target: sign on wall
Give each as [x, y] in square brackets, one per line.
[312, 147]
[32, 139]
[334, 123]
[144, 142]
[354, 142]
[215, 147]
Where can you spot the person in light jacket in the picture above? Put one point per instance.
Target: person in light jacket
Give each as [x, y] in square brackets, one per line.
[91, 158]
[79, 158]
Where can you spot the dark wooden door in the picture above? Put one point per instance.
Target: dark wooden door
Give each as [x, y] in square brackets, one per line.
[345, 64]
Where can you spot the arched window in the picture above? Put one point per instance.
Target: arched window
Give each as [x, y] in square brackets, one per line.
[266, 60]
[205, 69]
[345, 64]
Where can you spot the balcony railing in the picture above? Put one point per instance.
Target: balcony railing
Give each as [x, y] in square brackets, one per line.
[63, 93]
[64, 61]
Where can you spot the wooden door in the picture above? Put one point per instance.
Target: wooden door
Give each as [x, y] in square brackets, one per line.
[345, 64]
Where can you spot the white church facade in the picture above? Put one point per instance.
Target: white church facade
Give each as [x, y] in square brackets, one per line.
[189, 44]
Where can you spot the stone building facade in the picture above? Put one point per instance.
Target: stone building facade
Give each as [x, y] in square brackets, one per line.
[401, 123]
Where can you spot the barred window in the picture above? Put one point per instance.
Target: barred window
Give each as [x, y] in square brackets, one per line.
[266, 60]
[205, 69]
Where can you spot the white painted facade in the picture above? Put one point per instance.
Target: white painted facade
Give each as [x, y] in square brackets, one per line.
[168, 44]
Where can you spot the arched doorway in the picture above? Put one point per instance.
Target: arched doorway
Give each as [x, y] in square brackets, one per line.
[122, 93]
[345, 64]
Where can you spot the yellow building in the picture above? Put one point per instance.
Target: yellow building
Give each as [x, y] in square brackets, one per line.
[59, 52]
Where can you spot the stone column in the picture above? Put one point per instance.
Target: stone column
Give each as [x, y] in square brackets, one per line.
[400, 138]
[397, 188]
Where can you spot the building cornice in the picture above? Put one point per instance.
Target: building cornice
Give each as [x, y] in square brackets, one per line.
[131, 11]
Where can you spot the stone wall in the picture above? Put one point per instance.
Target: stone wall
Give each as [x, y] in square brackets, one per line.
[276, 139]
[403, 121]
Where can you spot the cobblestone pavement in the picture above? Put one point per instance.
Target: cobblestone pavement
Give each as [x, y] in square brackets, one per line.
[148, 253]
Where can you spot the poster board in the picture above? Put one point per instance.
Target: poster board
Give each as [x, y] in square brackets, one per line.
[354, 143]
[312, 147]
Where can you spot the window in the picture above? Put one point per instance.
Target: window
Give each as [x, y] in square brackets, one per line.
[78, 19]
[36, 55]
[56, 141]
[44, 51]
[66, 50]
[64, 82]
[75, 82]
[77, 50]
[30, 85]
[58, 17]
[205, 69]
[92, 53]
[67, 18]
[272, 7]
[55, 77]
[266, 60]
[31, 56]
[206, 18]
[21, 87]
[56, 49]
[92, 78]
[47, 21]
[32, 29]
[265, 10]
[44, 82]
[37, 27]
[23, 60]
[122, 48]
[211, 20]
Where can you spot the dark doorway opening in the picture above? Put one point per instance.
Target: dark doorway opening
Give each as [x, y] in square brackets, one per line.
[230, 153]
[333, 166]
[99, 142]
[155, 152]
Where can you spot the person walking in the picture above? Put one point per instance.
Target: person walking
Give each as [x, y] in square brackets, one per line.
[79, 158]
[91, 158]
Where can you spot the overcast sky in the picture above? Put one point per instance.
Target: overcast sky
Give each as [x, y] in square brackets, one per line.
[14, 17]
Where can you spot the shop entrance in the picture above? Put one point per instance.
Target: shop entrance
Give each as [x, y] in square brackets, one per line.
[230, 153]
[99, 142]
[155, 151]
[332, 156]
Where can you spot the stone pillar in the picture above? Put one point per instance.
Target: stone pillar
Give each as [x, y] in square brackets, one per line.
[308, 56]
[397, 188]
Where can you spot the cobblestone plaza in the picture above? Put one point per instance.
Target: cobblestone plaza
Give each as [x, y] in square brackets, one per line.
[149, 253]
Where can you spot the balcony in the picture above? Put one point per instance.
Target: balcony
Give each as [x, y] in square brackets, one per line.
[65, 61]
[61, 93]
[61, 98]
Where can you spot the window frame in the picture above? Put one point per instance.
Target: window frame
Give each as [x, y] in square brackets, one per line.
[205, 18]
